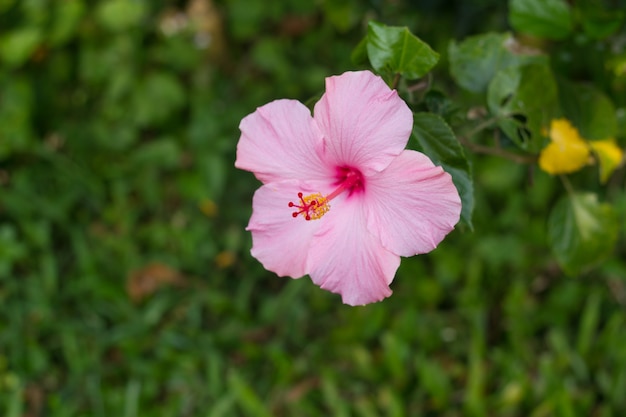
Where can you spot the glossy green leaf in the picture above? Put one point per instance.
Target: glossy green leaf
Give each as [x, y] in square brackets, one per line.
[590, 110]
[475, 60]
[395, 49]
[551, 19]
[582, 231]
[437, 140]
[525, 100]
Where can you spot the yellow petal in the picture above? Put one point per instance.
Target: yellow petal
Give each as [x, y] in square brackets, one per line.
[610, 156]
[567, 152]
[557, 159]
[563, 132]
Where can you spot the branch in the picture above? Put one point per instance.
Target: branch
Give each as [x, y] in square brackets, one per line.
[497, 149]
[487, 150]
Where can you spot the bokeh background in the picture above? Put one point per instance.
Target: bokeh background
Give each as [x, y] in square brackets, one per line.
[126, 284]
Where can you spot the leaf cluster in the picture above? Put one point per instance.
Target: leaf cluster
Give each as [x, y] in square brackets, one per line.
[126, 287]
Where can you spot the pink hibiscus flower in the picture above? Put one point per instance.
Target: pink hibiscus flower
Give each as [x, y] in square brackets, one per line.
[341, 198]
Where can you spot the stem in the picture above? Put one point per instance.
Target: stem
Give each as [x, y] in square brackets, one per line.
[481, 126]
[567, 185]
[422, 85]
[497, 150]
[487, 150]
[396, 81]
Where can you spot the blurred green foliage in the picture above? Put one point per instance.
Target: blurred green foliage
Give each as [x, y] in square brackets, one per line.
[126, 286]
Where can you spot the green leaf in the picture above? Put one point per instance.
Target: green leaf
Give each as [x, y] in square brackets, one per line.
[269, 54]
[590, 110]
[551, 19]
[440, 104]
[66, 20]
[476, 60]
[35, 12]
[245, 395]
[12, 249]
[160, 153]
[342, 14]
[16, 108]
[5, 4]
[599, 22]
[525, 100]
[434, 379]
[359, 53]
[245, 17]
[436, 139]
[156, 98]
[582, 231]
[395, 49]
[17, 46]
[119, 15]
[588, 328]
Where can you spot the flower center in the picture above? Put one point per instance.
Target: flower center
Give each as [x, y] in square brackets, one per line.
[314, 206]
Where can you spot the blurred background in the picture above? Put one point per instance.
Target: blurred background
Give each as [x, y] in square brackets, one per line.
[126, 284]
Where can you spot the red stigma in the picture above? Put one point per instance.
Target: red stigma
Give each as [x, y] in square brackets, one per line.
[311, 207]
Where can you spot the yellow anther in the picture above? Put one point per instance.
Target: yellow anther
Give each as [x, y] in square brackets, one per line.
[318, 205]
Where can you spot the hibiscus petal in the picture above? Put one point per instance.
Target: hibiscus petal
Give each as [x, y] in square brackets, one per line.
[280, 241]
[280, 140]
[346, 259]
[364, 122]
[412, 205]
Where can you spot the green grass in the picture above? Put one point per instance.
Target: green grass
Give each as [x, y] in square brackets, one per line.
[117, 146]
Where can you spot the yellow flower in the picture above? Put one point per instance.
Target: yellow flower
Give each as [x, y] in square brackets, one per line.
[609, 155]
[567, 151]
[208, 207]
[225, 259]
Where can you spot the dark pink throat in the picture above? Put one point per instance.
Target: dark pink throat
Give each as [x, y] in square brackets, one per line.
[348, 180]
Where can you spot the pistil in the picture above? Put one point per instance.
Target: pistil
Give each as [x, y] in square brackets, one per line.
[314, 206]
